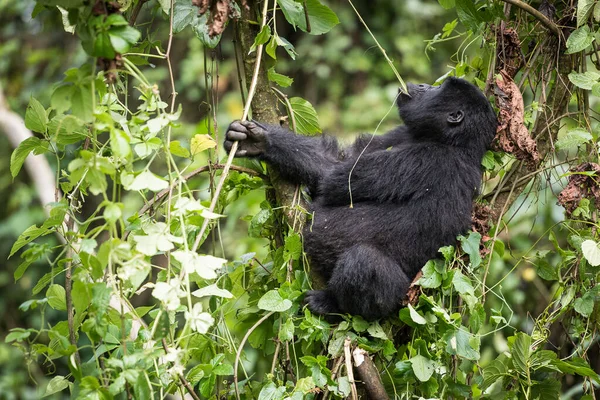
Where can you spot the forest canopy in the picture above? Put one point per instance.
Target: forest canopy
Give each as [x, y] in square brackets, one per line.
[143, 262]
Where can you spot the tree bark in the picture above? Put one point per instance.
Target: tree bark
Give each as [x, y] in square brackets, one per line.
[264, 103]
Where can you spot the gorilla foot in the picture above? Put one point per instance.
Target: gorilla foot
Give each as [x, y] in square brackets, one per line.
[321, 302]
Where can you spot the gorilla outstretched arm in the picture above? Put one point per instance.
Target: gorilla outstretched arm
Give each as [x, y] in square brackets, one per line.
[302, 159]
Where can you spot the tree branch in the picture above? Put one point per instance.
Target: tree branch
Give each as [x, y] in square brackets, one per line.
[264, 103]
[541, 17]
[369, 375]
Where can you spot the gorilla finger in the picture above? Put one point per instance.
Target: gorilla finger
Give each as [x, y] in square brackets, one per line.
[227, 144]
[241, 153]
[255, 122]
[236, 136]
[255, 128]
[237, 126]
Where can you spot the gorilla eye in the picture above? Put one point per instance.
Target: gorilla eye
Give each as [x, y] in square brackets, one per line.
[455, 118]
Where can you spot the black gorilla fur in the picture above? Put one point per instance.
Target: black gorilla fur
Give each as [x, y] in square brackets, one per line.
[412, 191]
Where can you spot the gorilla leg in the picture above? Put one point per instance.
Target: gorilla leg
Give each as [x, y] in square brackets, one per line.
[364, 281]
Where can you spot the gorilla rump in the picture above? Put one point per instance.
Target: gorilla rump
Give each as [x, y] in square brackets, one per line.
[411, 190]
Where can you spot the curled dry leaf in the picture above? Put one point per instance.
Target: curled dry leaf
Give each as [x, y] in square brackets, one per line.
[219, 13]
[202, 5]
[581, 185]
[509, 56]
[414, 291]
[481, 216]
[110, 67]
[102, 7]
[511, 135]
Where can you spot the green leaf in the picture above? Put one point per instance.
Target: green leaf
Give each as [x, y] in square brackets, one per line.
[521, 352]
[30, 234]
[57, 297]
[305, 116]
[223, 370]
[431, 279]
[359, 324]
[549, 389]
[376, 331]
[147, 180]
[585, 80]
[488, 160]
[271, 392]
[468, 14]
[17, 158]
[584, 9]
[494, 372]
[320, 17]
[212, 290]
[142, 388]
[293, 247]
[177, 150]
[585, 304]
[272, 301]
[477, 318]
[103, 46]
[422, 367]
[82, 105]
[470, 245]
[279, 79]
[573, 138]
[61, 98]
[113, 211]
[415, 316]
[263, 37]
[462, 284]
[447, 4]
[36, 118]
[17, 334]
[119, 143]
[56, 385]
[591, 252]
[462, 343]
[577, 366]
[200, 28]
[183, 15]
[200, 143]
[579, 40]
[286, 332]
[123, 37]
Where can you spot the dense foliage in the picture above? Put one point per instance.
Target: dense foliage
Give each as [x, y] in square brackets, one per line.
[158, 269]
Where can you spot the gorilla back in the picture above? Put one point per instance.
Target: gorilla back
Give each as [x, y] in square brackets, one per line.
[381, 213]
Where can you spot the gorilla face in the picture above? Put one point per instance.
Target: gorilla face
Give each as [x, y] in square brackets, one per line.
[454, 112]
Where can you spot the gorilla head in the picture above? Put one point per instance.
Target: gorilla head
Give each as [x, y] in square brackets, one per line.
[455, 112]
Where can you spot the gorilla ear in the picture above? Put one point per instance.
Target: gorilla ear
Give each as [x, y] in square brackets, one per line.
[455, 118]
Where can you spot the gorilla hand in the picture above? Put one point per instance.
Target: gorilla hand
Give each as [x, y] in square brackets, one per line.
[251, 135]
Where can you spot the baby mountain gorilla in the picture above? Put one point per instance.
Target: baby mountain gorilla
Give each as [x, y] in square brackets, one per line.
[411, 191]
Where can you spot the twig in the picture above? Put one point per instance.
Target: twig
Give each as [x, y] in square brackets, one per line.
[348, 359]
[289, 107]
[391, 64]
[368, 374]
[239, 352]
[189, 176]
[233, 150]
[306, 19]
[541, 17]
[184, 382]
[275, 355]
[336, 367]
[136, 12]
